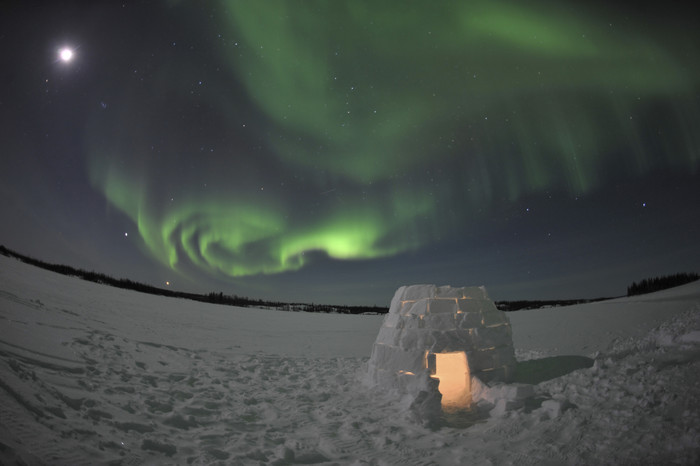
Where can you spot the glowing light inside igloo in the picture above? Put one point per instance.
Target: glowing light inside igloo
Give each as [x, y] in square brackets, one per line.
[452, 370]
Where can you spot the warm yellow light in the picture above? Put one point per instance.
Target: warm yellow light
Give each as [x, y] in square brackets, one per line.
[452, 371]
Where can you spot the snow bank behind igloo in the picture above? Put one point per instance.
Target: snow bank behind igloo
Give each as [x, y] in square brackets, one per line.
[435, 339]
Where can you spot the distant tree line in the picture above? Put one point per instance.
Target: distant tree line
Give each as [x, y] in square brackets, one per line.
[522, 305]
[235, 300]
[213, 297]
[650, 285]
[645, 286]
[98, 277]
[336, 309]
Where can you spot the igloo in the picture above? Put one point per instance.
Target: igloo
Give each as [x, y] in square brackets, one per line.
[436, 338]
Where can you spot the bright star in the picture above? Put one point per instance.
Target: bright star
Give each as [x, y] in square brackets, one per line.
[65, 54]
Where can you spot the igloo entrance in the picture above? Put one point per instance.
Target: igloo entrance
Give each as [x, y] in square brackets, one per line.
[452, 371]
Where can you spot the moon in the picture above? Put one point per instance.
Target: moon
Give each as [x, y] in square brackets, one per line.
[65, 54]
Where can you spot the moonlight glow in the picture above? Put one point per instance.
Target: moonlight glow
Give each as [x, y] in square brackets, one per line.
[65, 54]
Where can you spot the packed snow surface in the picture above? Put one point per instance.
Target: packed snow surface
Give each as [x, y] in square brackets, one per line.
[96, 375]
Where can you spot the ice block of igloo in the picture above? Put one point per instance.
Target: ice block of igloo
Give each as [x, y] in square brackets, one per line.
[445, 335]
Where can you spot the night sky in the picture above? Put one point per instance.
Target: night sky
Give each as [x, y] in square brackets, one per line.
[329, 152]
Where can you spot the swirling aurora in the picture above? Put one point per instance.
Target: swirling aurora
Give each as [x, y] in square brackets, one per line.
[507, 98]
[246, 140]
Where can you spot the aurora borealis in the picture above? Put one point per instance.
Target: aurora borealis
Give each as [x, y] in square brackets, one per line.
[332, 151]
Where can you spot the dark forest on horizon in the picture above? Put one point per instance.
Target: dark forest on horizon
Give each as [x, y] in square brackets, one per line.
[212, 297]
[648, 285]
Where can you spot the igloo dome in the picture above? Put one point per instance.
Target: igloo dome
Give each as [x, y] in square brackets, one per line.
[436, 338]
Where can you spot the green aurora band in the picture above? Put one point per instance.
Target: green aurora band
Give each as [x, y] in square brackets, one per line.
[366, 130]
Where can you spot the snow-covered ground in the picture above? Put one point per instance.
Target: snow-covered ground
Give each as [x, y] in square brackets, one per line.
[96, 375]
